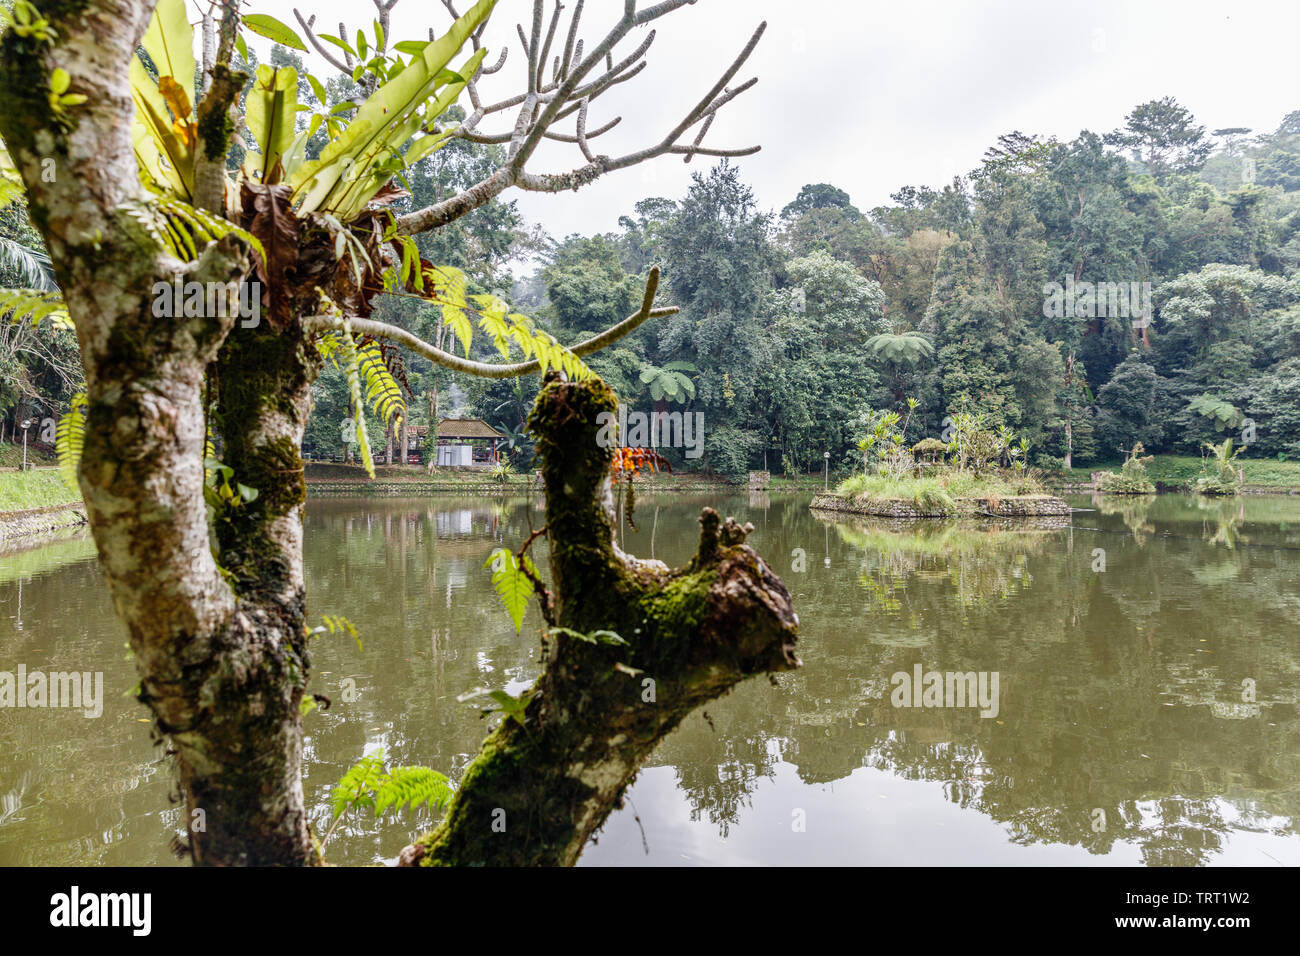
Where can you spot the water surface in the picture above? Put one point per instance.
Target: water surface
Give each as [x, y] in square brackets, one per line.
[1148, 661]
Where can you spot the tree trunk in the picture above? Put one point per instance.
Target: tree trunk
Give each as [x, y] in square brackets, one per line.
[220, 666]
[537, 792]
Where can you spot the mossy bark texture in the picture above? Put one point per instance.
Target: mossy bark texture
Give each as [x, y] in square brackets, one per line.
[538, 791]
[220, 655]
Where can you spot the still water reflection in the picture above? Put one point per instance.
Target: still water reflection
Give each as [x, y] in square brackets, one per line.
[1148, 656]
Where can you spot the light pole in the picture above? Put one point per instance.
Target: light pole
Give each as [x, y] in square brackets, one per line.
[26, 425]
[827, 469]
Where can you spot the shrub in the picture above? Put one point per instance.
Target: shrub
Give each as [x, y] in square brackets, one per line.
[1132, 478]
[1225, 478]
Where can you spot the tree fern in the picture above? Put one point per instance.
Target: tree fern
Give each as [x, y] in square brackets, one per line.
[352, 369]
[907, 348]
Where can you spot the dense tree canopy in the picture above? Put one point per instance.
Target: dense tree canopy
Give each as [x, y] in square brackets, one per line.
[799, 325]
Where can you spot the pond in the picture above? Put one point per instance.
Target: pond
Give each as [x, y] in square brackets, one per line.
[1141, 668]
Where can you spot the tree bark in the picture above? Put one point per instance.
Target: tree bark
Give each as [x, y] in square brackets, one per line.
[220, 666]
[537, 792]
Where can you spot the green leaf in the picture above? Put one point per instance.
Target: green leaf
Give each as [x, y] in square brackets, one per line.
[270, 111]
[263, 24]
[411, 787]
[70, 438]
[356, 787]
[169, 41]
[511, 583]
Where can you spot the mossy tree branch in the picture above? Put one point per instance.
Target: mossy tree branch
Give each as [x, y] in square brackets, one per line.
[537, 792]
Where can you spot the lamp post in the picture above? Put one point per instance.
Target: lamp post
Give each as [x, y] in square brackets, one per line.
[827, 469]
[26, 424]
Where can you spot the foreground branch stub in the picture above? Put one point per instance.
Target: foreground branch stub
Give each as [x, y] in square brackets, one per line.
[538, 791]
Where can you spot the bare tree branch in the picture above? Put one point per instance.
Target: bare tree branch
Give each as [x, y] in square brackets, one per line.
[577, 81]
[566, 61]
[343, 66]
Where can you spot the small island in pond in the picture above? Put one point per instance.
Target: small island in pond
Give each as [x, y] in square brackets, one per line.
[976, 471]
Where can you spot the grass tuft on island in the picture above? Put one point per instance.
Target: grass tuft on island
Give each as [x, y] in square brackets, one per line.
[945, 494]
[936, 492]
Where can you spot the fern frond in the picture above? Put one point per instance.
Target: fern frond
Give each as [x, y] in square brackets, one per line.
[356, 787]
[411, 787]
[70, 439]
[382, 390]
[595, 637]
[35, 305]
[511, 583]
[351, 366]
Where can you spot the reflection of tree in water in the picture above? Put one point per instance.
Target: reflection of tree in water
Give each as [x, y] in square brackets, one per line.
[984, 564]
[1120, 691]
[719, 781]
[1223, 518]
[1133, 510]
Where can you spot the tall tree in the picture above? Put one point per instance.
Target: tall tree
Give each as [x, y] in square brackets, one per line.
[1164, 136]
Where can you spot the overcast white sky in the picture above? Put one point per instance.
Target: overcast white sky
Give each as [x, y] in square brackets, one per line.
[871, 95]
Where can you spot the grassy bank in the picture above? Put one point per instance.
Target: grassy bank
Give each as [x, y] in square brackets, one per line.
[1185, 469]
[11, 454]
[41, 488]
